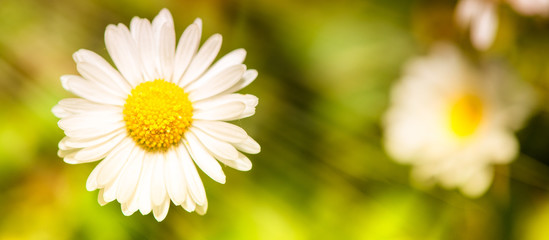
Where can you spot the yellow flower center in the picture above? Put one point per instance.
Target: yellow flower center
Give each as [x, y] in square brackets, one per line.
[157, 114]
[465, 115]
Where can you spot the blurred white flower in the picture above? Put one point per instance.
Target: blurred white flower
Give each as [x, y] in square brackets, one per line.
[159, 114]
[452, 122]
[531, 7]
[480, 17]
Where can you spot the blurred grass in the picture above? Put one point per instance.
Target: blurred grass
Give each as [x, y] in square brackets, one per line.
[326, 68]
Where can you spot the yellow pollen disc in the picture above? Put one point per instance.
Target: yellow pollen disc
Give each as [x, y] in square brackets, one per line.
[157, 114]
[465, 115]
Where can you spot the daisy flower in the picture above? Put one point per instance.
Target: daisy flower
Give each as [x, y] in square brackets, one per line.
[531, 7]
[157, 117]
[481, 17]
[453, 122]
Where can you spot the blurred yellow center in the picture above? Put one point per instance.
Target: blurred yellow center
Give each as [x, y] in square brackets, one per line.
[157, 114]
[465, 115]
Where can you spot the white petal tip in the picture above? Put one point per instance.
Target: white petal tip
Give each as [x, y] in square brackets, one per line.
[64, 82]
[240, 51]
[160, 214]
[70, 160]
[110, 29]
[258, 150]
[220, 179]
[202, 209]
[128, 213]
[101, 199]
[217, 37]
[246, 169]
[251, 74]
[244, 166]
[57, 111]
[76, 56]
[164, 11]
[145, 211]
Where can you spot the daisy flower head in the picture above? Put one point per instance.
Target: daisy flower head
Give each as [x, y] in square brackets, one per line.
[453, 121]
[481, 17]
[157, 116]
[531, 7]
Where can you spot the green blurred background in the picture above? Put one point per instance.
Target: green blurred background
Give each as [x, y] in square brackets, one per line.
[325, 71]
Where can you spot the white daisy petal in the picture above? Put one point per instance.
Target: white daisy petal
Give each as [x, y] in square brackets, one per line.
[166, 46]
[161, 211]
[198, 22]
[221, 130]
[78, 105]
[235, 57]
[91, 183]
[132, 205]
[89, 90]
[248, 146]
[94, 153]
[91, 153]
[94, 131]
[124, 53]
[68, 157]
[95, 68]
[202, 209]
[194, 183]
[202, 59]
[247, 99]
[100, 197]
[504, 146]
[130, 176]
[217, 148]
[248, 77]
[222, 112]
[144, 188]
[246, 113]
[135, 29]
[220, 103]
[63, 145]
[163, 17]
[60, 112]
[251, 102]
[109, 192]
[113, 163]
[203, 159]
[164, 32]
[175, 181]
[241, 163]
[212, 85]
[186, 49]
[142, 33]
[478, 183]
[88, 142]
[189, 205]
[85, 121]
[64, 153]
[158, 187]
[126, 210]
